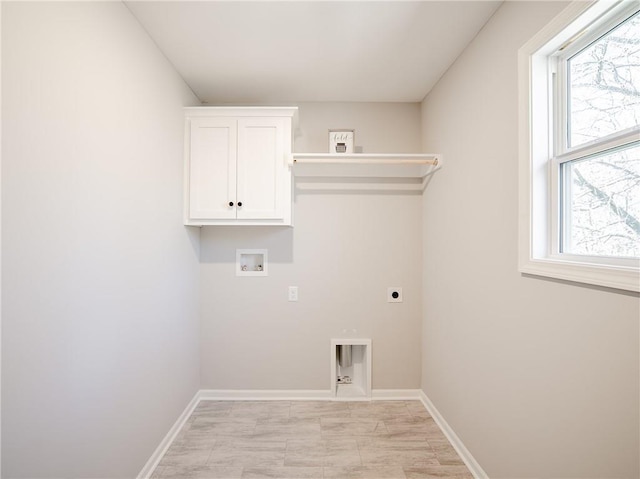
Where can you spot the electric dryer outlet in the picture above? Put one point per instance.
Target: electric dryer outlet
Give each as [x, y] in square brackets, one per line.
[394, 295]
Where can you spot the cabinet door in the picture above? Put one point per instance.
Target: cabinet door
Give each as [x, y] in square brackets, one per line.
[261, 168]
[212, 168]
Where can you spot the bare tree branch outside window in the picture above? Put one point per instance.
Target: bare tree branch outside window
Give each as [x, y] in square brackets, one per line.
[602, 194]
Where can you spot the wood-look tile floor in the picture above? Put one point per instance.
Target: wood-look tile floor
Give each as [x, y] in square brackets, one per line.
[311, 440]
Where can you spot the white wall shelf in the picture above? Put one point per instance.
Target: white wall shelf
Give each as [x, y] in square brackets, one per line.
[361, 165]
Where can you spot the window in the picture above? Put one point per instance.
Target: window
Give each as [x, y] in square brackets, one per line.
[580, 146]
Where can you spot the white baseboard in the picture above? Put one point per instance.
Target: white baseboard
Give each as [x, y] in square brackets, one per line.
[265, 394]
[160, 451]
[300, 394]
[453, 438]
[395, 394]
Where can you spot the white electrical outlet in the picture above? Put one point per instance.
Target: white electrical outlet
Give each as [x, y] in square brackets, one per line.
[394, 295]
[293, 293]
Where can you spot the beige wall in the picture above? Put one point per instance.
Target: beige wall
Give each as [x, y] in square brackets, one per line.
[99, 277]
[539, 378]
[345, 250]
[380, 127]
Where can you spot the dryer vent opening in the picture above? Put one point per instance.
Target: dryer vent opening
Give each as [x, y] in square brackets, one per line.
[344, 355]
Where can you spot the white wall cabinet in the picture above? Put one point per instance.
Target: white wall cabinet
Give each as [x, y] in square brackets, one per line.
[238, 166]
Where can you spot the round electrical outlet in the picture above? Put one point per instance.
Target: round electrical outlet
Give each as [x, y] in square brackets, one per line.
[394, 295]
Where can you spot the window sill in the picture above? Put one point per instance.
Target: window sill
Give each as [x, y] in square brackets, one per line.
[617, 277]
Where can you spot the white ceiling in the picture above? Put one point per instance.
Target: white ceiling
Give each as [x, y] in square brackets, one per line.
[296, 51]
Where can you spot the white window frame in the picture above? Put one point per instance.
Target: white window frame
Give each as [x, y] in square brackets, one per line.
[539, 198]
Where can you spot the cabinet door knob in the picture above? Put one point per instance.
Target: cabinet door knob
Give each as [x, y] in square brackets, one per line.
[230, 203]
[239, 204]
